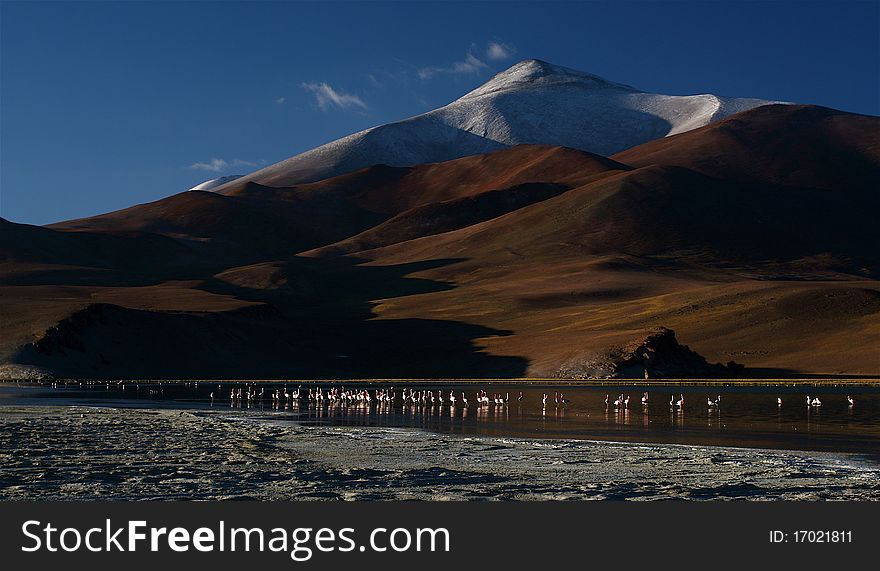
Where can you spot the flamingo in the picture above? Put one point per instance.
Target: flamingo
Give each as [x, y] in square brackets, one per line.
[850, 400]
[451, 398]
[464, 399]
[715, 402]
[672, 400]
[626, 401]
[778, 401]
[544, 400]
[606, 399]
[680, 402]
[645, 398]
[816, 402]
[520, 397]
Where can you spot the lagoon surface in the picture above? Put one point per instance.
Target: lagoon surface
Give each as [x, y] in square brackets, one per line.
[146, 440]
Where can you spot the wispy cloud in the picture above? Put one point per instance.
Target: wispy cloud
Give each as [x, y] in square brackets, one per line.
[220, 165]
[280, 100]
[497, 51]
[214, 165]
[327, 97]
[375, 82]
[470, 64]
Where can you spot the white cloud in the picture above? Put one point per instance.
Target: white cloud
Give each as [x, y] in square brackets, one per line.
[327, 97]
[220, 165]
[496, 51]
[214, 165]
[470, 64]
[280, 100]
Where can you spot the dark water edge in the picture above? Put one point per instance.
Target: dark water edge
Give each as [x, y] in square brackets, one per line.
[745, 416]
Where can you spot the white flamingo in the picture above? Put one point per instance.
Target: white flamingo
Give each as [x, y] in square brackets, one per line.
[680, 402]
[645, 398]
[850, 400]
[778, 401]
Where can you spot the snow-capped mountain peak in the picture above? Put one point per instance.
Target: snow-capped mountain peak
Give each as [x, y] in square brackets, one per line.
[534, 73]
[531, 102]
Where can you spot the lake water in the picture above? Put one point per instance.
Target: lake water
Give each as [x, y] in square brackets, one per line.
[745, 416]
[137, 440]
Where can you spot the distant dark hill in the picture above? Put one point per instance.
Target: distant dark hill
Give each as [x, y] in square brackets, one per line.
[237, 228]
[116, 247]
[791, 145]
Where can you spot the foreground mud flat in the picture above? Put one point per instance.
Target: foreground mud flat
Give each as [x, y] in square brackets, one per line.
[106, 453]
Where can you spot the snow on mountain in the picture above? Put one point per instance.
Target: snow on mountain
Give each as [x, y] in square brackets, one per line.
[531, 102]
[215, 182]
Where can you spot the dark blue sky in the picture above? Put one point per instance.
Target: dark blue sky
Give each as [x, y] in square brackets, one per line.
[104, 105]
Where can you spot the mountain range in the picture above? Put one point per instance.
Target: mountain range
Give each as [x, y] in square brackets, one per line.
[562, 218]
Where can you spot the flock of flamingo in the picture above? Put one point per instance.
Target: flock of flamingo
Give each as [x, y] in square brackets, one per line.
[438, 398]
[412, 397]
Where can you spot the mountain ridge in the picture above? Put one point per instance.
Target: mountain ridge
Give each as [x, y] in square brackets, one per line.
[507, 264]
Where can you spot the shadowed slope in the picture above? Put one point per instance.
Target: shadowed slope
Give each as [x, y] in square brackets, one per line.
[316, 323]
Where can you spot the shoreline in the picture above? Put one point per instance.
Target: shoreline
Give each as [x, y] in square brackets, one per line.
[91, 453]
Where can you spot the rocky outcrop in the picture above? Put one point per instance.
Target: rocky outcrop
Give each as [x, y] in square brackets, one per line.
[657, 355]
